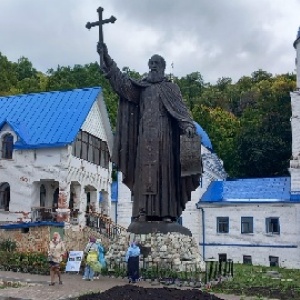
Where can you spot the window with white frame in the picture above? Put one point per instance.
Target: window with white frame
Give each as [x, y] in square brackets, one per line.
[246, 224]
[272, 225]
[222, 224]
[7, 146]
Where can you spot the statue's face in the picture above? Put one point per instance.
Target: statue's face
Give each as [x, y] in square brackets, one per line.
[156, 64]
[157, 68]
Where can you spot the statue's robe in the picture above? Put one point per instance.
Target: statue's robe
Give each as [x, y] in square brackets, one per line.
[151, 118]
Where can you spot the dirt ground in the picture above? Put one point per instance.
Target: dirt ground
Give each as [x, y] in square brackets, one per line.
[132, 292]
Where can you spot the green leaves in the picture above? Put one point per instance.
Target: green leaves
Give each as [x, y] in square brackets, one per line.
[248, 121]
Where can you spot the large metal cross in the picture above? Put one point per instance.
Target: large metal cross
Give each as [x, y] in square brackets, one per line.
[99, 23]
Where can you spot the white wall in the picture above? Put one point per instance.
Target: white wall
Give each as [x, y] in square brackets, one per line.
[295, 161]
[93, 123]
[263, 244]
[124, 210]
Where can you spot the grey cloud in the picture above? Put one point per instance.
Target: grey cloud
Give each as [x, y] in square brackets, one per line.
[223, 38]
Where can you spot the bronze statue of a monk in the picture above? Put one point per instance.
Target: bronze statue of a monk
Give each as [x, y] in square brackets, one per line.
[151, 118]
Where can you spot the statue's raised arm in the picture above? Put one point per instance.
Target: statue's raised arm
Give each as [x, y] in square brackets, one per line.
[119, 81]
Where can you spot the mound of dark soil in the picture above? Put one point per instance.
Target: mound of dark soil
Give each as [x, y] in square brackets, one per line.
[132, 292]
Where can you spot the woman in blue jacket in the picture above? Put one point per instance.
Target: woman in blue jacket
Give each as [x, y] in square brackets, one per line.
[132, 258]
[101, 257]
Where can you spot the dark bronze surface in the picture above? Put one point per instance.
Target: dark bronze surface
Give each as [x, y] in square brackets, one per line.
[155, 144]
[100, 23]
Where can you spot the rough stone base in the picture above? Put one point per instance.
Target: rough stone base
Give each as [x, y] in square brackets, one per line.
[140, 227]
[172, 250]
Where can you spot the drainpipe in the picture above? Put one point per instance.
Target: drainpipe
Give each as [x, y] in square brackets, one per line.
[203, 232]
[117, 201]
[116, 213]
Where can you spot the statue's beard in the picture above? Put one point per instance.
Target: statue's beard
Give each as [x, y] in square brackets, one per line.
[155, 76]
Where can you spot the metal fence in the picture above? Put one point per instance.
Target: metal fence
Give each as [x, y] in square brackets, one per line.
[104, 225]
[152, 270]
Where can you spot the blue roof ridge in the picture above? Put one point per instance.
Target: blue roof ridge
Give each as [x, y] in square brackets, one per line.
[56, 91]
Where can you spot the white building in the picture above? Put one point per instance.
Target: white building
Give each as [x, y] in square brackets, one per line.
[251, 221]
[54, 155]
[256, 220]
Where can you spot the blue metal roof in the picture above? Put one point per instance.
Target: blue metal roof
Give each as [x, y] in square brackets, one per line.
[205, 140]
[31, 224]
[249, 190]
[48, 119]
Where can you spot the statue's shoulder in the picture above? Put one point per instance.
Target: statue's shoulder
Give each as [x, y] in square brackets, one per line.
[142, 83]
[171, 85]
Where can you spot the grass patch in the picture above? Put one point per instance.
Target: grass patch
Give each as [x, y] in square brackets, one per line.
[248, 277]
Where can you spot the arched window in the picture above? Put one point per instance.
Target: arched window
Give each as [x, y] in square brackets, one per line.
[71, 202]
[4, 196]
[55, 200]
[7, 146]
[42, 196]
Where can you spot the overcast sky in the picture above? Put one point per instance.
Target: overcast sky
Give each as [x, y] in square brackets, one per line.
[218, 38]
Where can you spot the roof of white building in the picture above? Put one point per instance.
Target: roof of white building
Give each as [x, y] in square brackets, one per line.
[205, 140]
[250, 190]
[48, 119]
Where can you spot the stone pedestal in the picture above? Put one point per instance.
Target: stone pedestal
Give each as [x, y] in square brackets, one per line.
[172, 250]
[146, 227]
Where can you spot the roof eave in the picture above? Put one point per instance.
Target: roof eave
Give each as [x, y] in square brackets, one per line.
[21, 146]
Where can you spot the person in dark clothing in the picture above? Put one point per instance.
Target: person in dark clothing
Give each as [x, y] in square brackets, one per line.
[132, 258]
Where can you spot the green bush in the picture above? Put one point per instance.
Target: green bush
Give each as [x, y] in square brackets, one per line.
[33, 262]
[8, 245]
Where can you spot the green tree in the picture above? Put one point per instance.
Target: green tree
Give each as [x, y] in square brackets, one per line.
[191, 87]
[25, 69]
[223, 129]
[265, 137]
[8, 75]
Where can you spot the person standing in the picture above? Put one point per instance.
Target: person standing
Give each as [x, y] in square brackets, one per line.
[101, 257]
[132, 259]
[91, 252]
[56, 252]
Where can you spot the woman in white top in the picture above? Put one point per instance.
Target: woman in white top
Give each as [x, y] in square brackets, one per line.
[57, 251]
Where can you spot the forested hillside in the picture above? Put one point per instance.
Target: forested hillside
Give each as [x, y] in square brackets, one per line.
[248, 121]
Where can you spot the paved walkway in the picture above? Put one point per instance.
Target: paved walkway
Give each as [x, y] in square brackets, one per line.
[73, 285]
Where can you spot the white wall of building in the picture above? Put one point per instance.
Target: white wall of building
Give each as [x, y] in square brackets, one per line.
[295, 160]
[285, 245]
[124, 209]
